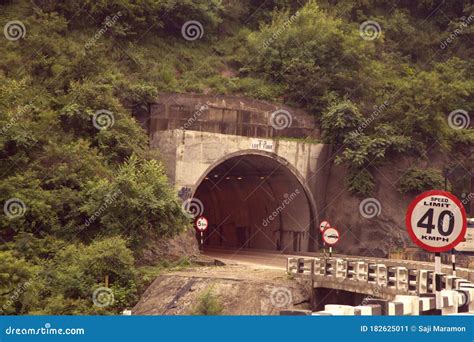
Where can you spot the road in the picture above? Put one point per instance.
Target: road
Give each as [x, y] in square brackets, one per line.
[276, 260]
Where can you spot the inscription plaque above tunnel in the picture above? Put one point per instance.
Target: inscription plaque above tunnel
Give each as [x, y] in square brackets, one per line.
[228, 115]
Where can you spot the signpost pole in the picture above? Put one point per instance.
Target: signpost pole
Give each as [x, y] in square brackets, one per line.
[202, 240]
[438, 280]
[330, 251]
[453, 261]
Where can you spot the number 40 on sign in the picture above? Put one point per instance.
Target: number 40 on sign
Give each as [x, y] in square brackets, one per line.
[436, 221]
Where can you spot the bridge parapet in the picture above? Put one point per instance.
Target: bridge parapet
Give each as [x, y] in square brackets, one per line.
[391, 290]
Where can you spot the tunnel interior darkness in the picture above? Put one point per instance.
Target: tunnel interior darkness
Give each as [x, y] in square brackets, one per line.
[254, 201]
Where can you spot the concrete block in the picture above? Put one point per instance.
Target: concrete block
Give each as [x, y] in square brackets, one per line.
[295, 312]
[370, 310]
[342, 310]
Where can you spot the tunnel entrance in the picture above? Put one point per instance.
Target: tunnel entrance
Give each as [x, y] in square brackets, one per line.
[255, 201]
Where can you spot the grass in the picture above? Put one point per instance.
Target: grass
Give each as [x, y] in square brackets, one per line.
[209, 304]
[147, 274]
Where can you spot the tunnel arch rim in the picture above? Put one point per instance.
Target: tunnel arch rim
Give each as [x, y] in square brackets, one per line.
[275, 157]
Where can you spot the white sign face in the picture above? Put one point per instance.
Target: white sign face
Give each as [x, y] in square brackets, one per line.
[201, 223]
[331, 236]
[323, 225]
[436, 221]
[261, 144]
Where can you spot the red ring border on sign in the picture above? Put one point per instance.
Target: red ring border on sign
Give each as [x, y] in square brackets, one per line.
[329, 225]
[339, 234]
[195, 223]
[411, 208]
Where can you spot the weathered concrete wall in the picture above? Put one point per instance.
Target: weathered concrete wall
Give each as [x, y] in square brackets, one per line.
[189, 156]
[227, 115]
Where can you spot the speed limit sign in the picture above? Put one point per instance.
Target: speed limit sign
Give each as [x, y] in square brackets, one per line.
[323, 225]
[436, 221]
[201, 223]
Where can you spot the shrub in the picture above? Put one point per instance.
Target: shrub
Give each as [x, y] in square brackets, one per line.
[360, 182]
[418, 180]
[209, 304]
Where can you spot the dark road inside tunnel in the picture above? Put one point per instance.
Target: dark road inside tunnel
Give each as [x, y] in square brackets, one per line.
[255, 201]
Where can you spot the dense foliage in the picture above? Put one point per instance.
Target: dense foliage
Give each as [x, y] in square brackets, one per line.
[73, 155]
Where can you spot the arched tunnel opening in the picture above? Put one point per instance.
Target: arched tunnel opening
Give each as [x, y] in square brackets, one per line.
[255, 202]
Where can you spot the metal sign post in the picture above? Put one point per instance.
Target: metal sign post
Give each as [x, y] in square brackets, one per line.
[436, 221]
[453, 261]
[201, 225]
[331, 237]
[323, 225]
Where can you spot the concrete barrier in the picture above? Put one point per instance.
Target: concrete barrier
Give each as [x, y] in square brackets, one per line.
[342, 310]
[415, 287]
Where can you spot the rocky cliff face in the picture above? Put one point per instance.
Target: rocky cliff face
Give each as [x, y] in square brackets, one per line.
[174, 248]
[235, 289]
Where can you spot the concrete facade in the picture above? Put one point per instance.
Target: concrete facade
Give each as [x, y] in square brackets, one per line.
[198, 134]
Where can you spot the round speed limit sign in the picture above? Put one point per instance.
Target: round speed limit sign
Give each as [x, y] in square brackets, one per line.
[331, 236]
[436, 221]
[201, 223]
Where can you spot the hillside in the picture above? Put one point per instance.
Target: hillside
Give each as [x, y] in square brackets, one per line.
[389, 82]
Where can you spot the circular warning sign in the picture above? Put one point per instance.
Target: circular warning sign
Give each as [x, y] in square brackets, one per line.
[331, 236]
[323, 225]
[436, 221]
[201, 223]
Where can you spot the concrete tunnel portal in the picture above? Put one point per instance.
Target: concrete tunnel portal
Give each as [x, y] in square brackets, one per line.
[256, 201]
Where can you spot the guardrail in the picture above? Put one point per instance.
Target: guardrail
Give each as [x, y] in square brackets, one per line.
[413, 289]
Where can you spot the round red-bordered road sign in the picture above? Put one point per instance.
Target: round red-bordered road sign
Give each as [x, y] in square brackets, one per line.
[436, 221]
[323, 225]
[201, 223]
[331, 236]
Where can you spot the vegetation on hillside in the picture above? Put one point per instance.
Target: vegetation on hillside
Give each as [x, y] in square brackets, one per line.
[84, 190]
